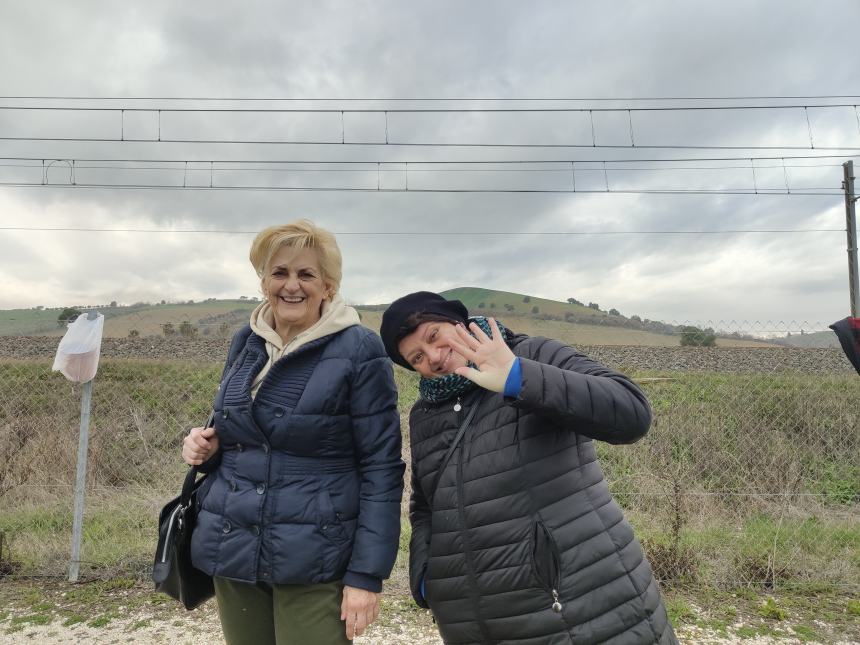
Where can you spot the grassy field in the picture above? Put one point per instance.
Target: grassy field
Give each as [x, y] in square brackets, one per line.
[744, 479]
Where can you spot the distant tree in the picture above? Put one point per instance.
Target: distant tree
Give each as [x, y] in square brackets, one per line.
[168, 329]
[695, 337]
[614, 312]
[574, 301]
[509, 306]
[527, 299]
[187, 330]
[535, 309]
[482, 305]
[492, 305]
[635, 318]
[67, 315]
[133, 333]
[594, 305]
[243, 297]
[113, 303]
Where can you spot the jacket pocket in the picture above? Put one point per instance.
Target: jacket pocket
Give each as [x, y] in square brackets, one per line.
[330, 520]
[546, 560]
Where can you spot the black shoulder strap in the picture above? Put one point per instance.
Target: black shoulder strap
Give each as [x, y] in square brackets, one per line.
[444, 463]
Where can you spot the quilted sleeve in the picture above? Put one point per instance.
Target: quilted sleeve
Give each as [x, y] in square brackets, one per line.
[575, 391]
[377, 441]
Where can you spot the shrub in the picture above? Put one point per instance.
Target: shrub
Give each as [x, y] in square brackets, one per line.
[67, 315]
[133, 333]
[187, 330]
[695, 337]
[527, 299]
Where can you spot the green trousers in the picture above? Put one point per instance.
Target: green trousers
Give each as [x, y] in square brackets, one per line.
[263, 614]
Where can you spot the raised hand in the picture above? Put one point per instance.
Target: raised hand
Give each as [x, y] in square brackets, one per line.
[491, 355]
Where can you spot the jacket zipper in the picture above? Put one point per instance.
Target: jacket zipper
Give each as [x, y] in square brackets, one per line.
[555, 574]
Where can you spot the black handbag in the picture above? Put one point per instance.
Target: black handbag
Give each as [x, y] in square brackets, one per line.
[172, 571]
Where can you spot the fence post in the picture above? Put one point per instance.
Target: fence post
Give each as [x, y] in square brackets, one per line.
[81, 475]
[851, 228]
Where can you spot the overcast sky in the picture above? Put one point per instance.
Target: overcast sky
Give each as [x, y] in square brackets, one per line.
[587, 245]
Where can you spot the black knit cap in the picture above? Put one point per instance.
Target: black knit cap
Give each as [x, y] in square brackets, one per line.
[394, 327]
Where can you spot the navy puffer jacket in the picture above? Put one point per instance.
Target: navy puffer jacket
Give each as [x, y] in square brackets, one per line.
[309, 477]
[522, 543]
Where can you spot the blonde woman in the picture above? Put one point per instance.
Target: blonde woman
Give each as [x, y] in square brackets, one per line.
[300, 518]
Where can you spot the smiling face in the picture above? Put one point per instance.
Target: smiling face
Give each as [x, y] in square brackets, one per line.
[429, 351]
[295, 288]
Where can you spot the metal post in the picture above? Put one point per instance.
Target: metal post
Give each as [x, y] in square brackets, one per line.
[851, 228]
[81, 476]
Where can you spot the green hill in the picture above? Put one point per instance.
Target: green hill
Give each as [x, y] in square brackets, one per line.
[476, 299]
[569, 322]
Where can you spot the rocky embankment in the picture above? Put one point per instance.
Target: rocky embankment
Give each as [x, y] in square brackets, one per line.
[625, 358]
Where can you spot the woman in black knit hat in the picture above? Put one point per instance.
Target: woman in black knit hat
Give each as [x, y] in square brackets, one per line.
[515, 537]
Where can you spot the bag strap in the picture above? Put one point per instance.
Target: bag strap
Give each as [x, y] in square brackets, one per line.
[444, 463]
[191, 475]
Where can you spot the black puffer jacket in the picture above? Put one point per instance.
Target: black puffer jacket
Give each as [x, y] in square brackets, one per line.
[522, 517]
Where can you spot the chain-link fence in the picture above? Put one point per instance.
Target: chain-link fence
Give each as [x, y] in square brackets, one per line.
[750, 474]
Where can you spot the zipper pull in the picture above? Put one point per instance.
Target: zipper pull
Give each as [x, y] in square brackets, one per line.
[556, 605]
[457, 406]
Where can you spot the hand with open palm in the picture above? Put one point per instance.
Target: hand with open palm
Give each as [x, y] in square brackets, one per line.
[492, 356]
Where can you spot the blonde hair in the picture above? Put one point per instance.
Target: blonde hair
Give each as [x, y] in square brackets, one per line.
[301, 234]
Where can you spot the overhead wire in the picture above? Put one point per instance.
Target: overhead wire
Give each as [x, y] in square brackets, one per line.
[428, 144]
[353, 189]
[431, 99]
[478, 110]
[425, 233]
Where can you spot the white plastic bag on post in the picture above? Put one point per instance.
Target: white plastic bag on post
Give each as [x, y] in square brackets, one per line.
[78, 353]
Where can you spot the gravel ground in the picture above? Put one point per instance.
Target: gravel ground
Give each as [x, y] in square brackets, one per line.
[199, 628]
[106, 613]
[660, 359]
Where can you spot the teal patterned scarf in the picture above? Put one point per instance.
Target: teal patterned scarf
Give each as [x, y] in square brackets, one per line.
[451, 385]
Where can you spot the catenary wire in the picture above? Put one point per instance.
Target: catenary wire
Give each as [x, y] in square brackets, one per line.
[477, 110]
[744, 191]
[426, 144]
[432, 99]
[426, 233]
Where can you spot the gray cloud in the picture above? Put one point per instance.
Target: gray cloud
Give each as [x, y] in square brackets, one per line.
[440, 49]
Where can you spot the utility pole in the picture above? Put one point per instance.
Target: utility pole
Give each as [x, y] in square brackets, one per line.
[851, 228]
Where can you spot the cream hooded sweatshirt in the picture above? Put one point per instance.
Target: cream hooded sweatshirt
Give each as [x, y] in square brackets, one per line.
[336, 316]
